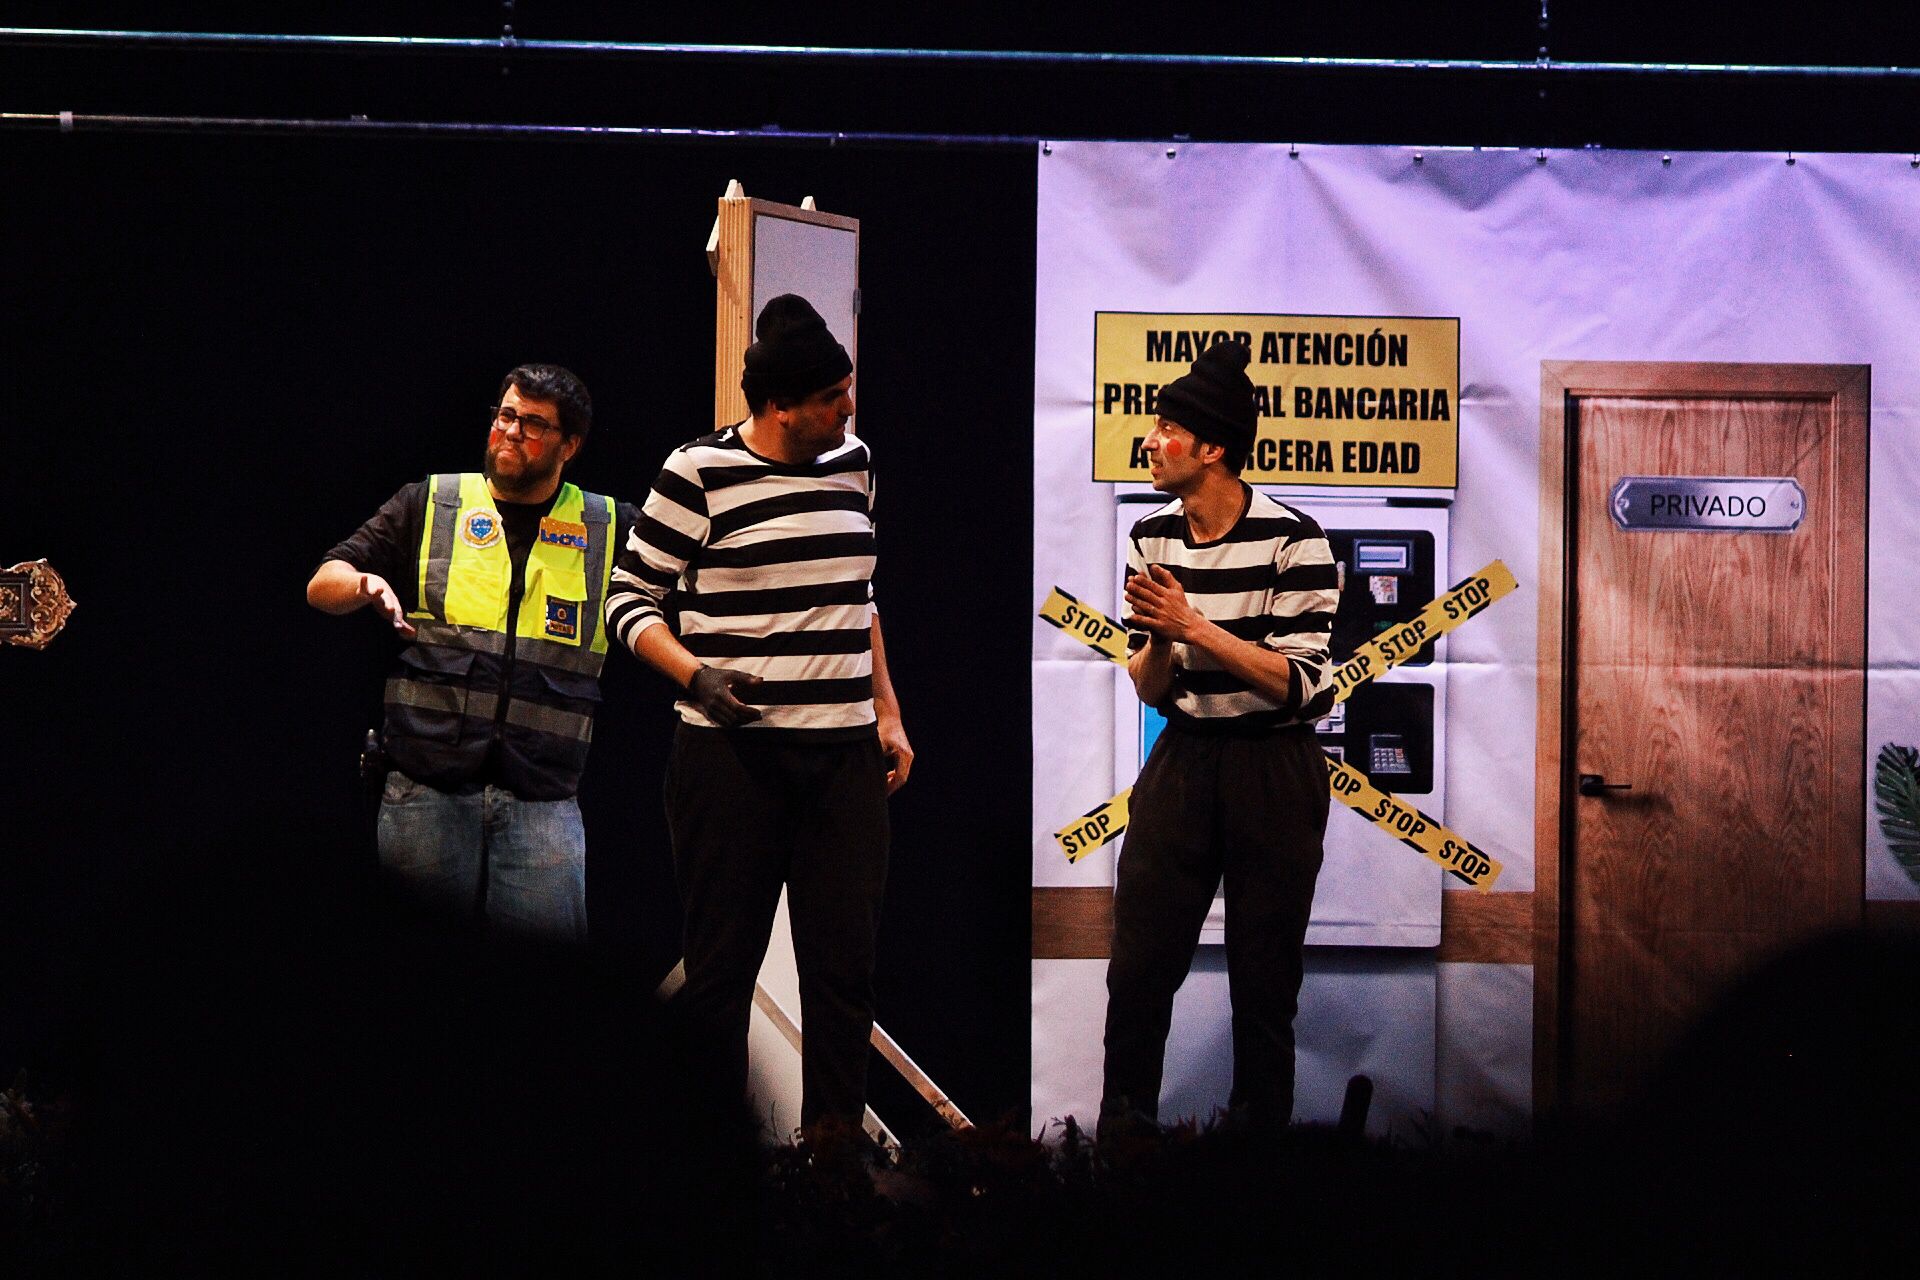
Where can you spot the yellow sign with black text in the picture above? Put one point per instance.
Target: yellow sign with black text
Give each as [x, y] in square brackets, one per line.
[1350, 401]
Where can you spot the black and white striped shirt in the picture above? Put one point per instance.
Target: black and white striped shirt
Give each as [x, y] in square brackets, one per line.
[1270, 579]
[772, 564]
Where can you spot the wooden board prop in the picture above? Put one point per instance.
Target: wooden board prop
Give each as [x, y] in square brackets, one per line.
[759, 249]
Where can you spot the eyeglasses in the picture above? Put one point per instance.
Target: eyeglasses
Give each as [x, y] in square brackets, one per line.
[532, 425]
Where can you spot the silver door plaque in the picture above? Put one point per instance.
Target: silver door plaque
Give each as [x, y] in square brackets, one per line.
[1709, 504]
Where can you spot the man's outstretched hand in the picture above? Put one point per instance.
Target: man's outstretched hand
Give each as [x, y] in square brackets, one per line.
[378, 592]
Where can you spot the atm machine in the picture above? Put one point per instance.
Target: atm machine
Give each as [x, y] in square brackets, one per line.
[1367, 1002]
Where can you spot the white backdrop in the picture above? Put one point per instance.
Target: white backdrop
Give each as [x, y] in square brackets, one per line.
[1591, 255]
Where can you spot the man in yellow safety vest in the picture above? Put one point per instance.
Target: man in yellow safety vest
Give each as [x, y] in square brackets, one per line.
[496, 582]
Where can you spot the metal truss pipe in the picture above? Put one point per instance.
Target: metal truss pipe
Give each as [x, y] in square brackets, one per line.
[83, 122]
[58, 37]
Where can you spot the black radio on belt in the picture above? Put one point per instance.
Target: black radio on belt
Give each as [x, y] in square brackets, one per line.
[373, 762]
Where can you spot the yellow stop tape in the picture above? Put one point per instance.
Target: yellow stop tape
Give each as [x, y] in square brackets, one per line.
[1445, 612]
[1411, 827]
[1089, 626]
[1095, 827]
[1103, 823]
[1384, 652]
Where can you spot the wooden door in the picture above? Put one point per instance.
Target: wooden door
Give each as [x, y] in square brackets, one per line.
[1721, 676]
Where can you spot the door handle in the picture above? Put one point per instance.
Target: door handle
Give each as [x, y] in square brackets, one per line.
[1592, 784]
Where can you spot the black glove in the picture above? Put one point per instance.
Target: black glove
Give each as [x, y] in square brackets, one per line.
[712, 691]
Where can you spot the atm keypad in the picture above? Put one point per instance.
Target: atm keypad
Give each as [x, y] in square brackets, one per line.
[1387, 753]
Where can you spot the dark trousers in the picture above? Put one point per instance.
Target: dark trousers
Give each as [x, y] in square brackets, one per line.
[1251, 810]
[747, 815]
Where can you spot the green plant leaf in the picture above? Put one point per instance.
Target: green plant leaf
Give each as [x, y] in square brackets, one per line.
[1896, 790]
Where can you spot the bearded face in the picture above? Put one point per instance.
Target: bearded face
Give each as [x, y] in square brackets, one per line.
[520, 468]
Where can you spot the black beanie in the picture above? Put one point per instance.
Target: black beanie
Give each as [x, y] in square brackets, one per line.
[1214, 399]
[795, 354]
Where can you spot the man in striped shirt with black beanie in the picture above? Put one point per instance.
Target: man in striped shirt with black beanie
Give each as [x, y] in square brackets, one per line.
[790, 737]
[1231, 598]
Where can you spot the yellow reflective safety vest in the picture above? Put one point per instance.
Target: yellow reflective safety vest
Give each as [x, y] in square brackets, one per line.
[492, 688]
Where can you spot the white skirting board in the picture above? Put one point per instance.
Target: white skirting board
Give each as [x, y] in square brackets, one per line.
[1364, 1011]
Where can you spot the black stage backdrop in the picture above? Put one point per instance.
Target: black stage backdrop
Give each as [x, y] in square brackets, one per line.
[228, 351]
[223, 352]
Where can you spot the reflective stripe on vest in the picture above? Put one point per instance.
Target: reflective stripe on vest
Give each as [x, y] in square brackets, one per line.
[436, 554]
[541, 652]
[458, 701]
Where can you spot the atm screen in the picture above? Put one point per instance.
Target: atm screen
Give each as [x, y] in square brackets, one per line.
[1387, 577]
[1382, 555]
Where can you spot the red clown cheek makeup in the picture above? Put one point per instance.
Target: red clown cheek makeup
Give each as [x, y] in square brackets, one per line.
[533, 449]
[1172, 449]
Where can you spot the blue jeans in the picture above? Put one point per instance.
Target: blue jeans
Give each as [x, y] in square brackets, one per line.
[520, 863]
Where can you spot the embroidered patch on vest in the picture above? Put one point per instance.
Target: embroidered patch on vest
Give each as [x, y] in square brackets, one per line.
[563, 533]
[480, 528]
[563, 617]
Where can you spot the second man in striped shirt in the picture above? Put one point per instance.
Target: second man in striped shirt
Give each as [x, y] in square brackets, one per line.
[790, 737]
[1230, 598]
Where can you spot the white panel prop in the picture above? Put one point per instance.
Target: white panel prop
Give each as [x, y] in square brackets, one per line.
[1073, 754]
[822, 265]
[1484, 1054]
[1363, 1011]
[1391, 1040]
[819, 263]
[1893, 716]
[773, 1063]
[773, 1058]
[1069, 1018]
[1591, 255]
